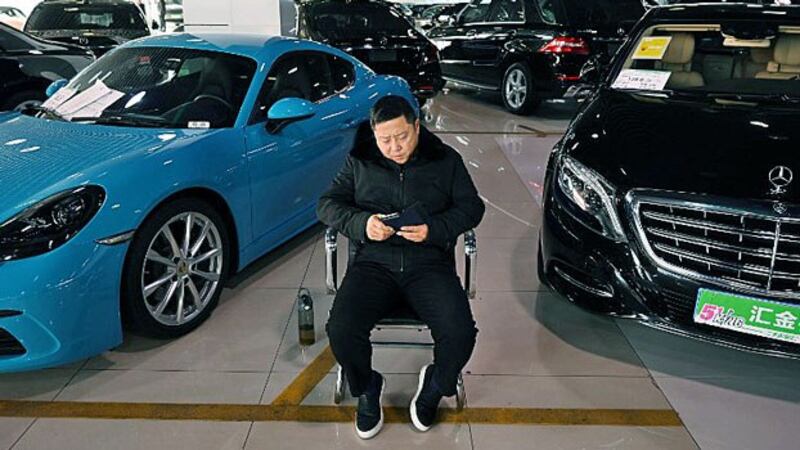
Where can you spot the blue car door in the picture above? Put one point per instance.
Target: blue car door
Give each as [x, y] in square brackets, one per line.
[290, 168]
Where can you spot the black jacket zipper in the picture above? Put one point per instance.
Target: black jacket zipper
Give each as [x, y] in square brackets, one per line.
[402, 205]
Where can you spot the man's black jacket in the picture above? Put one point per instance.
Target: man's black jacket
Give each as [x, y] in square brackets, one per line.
[434, 179]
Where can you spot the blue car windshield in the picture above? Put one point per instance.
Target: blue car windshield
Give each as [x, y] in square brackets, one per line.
[157, 87]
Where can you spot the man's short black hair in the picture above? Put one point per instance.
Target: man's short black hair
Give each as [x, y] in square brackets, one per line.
[389, 108]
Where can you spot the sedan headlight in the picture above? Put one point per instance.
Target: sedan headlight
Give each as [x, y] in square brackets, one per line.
[591, 198]
[49, 224]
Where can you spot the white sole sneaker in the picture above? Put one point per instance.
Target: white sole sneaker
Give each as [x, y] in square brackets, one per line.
[369, 434]
[413, 408]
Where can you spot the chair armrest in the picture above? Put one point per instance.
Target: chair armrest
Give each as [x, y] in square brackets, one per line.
[331, 271]
[470, 263]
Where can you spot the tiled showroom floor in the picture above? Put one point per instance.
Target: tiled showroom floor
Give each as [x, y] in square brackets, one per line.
[534, 349]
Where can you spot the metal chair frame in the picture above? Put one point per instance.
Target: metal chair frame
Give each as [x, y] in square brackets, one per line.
[390, 323]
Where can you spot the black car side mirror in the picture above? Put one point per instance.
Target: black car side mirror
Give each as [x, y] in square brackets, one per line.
[591, 72]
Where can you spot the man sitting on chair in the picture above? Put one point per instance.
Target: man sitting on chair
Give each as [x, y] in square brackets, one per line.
[409, 171]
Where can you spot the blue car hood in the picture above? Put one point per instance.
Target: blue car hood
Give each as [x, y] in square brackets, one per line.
[40, 157]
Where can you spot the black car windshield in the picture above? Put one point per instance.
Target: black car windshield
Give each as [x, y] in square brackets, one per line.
[703, 60]
[61, 16]
[157, 87]
[336, 21]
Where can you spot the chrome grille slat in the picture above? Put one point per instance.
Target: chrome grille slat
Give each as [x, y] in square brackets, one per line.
[752, 250]
[751, 269]
[758, 252]
[706, 225]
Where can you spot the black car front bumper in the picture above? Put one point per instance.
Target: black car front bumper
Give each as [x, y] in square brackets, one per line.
[620, 280]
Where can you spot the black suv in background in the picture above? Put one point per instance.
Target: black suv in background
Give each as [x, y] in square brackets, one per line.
[377, 33]
[98, 25]
[531, 50]
[28, 65]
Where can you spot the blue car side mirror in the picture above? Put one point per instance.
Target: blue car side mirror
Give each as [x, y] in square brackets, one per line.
[288, 110]
[55, 86]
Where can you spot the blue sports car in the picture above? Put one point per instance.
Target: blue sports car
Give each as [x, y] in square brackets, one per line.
[160, 170]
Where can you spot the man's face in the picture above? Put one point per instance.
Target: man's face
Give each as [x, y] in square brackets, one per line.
[397, 139]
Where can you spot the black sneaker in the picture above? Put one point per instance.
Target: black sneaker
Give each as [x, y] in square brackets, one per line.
[426, 401]
[369, 415]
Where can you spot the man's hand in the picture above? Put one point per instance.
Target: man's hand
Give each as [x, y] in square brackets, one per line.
[377, 230]
[414, 233]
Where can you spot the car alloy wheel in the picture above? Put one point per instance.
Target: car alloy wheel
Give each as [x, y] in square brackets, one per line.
[180, 275]
[516, 88]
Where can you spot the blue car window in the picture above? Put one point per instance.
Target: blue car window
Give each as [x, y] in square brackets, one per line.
[310, 75]
[343, 73]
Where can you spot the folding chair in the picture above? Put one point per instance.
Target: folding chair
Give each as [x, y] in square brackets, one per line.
[403, 317]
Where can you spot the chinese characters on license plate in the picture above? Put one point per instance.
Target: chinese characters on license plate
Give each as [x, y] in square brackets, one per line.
[749, 315]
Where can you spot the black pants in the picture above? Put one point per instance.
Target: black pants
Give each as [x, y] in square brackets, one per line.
[369, 292]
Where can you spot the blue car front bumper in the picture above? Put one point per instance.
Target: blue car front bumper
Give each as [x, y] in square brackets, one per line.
[61, 306]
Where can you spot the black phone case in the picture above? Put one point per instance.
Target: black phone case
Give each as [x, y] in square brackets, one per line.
[408, 217]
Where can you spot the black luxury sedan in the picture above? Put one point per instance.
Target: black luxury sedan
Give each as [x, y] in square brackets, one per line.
[98, 25]
[28, 65]
[377, 33]
[531, 50]
[672, 197]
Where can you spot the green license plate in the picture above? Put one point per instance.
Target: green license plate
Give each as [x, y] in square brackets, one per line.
[774, 320]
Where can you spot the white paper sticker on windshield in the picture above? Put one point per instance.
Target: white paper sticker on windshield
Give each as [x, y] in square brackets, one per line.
[59, 97]
[651, 80]
[91, 102]
[199, 124]
[653, 47]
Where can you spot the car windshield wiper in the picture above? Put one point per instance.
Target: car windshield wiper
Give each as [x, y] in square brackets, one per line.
[48, 112]
[133, 120]
[664, 93]
[759, 98]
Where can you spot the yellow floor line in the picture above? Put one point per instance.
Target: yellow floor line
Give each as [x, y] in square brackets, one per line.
[264, 413]
[306, 380]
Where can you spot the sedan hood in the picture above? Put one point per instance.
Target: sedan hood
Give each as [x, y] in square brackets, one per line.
[39, 157]
[702, 147]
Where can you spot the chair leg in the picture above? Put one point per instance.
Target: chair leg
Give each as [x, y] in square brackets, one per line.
[338, 394]
[461, 394]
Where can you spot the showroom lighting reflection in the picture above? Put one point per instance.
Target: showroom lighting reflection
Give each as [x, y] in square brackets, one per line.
[759, 124]
[135, 99]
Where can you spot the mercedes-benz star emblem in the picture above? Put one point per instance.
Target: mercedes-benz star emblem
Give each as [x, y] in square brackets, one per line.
[780, 177]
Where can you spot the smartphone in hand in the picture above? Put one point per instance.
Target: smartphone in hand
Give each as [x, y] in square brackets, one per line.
[409, 216]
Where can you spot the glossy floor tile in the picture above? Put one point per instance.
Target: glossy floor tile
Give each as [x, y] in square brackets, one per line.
[242, 334]
[578, 392]
[45, 385]
[491, 437]
[304, 436]
[538, 333]
[84, 434]
[165, 387]
[12, 429]
[738, 413]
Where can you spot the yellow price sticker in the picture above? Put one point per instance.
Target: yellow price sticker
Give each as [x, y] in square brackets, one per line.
[652, 47]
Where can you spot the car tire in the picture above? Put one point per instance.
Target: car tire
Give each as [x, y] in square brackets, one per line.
[517, 90]
[20, 100]
[193, 283]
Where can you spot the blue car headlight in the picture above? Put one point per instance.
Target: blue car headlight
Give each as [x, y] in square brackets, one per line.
[590, 198]
[49, 224]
